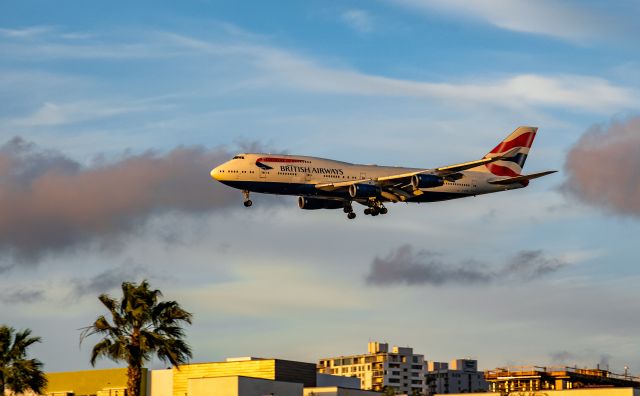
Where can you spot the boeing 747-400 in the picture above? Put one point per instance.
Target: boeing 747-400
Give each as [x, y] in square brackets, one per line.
[327, 184]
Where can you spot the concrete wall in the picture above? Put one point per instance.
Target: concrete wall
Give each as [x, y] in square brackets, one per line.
[337, 391]
[273, 369]
[255, 368]
[241, 386]
[324, 380]
[161, 383]
[90, 382]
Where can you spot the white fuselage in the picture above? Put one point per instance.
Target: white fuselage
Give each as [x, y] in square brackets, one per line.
[299, 175]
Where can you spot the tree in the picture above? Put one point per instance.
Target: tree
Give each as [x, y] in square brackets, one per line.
[17, 373]
[140, 327]
[389, 391]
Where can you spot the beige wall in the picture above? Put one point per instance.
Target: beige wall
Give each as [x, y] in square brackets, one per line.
[90, 382]
[272, 369]
[161, 383]
[253, 368]
[223, 386]
[336, 391]
[241, 386]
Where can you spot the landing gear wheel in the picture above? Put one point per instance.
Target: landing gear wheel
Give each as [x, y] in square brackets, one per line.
[351, 215]
[374, 212]
[383, 210]
[247, 201]
[367, 211]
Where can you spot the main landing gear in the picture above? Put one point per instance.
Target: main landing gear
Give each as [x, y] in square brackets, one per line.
[348, 209]
[247, 201]
[375, 208]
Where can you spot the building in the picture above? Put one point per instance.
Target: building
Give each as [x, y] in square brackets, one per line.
[460, 376]
[338, 391]
[239, 385]
[534, 378]
[271, 369]
[398, 368]
[606, 391]
[234, 377]
[108, 382]
[324, 380]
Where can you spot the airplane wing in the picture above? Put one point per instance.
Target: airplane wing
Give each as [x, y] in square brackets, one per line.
[523, 178]
[398, 187]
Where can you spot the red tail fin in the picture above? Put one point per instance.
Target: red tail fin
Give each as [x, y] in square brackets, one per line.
[522, 138]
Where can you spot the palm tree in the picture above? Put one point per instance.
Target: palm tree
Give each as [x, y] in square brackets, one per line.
[389, 391]
[141, 326]
[17, 373]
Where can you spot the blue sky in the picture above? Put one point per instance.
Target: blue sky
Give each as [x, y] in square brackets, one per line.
[407, 82]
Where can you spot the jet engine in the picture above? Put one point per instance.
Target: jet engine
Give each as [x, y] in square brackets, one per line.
[426, 181]
[318, 203]
[363, 191]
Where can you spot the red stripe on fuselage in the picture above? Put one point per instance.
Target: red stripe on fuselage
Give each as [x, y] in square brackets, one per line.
[274, 159]
[523, 140]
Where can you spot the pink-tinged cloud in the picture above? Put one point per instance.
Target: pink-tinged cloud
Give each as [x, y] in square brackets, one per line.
[603, 167]
[50, 203]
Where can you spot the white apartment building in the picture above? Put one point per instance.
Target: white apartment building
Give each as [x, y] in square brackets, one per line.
[398, 368]
[460, 376]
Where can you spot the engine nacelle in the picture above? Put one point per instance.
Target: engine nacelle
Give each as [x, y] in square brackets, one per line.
[364, 191]
[426, 181]
[318, 203]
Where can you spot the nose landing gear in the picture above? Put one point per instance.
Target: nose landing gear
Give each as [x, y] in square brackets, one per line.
[247, 201]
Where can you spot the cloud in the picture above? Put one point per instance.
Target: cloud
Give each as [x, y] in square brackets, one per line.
[107, 280]
[563, 20]
[53, 114]
[406, 266]
[358, 20]
[22, 296]
[26, 33]
[282, 68]
[586, 357]
[264, 65]
[602, 167]
[562, 357]
[50, 203]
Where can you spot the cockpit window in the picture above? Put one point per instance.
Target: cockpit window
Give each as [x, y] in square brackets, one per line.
[238, 157]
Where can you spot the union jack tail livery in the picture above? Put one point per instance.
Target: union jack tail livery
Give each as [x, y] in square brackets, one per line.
[511, 166]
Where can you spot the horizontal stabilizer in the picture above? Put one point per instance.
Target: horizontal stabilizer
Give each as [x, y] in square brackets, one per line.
[519, 179]
[445, 170]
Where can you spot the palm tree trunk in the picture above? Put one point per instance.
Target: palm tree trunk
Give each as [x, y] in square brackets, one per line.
[133, 383]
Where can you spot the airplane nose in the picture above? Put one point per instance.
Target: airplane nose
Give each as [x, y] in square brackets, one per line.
[215, 172]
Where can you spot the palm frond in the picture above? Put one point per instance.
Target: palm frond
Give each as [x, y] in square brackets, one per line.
[18, 373]
[141, 326]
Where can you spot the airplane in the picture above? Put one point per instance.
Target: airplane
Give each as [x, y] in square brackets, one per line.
[322, 183]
